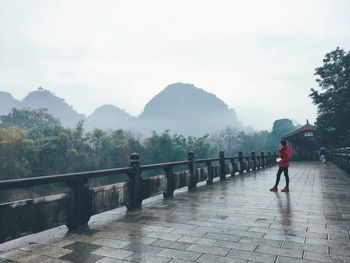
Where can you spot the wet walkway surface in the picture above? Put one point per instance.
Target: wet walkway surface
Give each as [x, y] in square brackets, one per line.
[238, 220]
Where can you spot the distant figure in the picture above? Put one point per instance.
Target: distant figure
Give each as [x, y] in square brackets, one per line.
[284, 156]
[323, 156]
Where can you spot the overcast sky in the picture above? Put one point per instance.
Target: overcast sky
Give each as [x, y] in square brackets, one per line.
[257, 56]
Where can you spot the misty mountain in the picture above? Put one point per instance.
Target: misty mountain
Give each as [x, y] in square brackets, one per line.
[181, 108]
[42, 98]
[187, 110]
[7, 103]
[109, 117]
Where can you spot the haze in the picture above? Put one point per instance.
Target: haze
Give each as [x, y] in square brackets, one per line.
[257, 56]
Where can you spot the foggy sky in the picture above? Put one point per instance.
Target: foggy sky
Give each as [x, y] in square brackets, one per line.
[257, 56]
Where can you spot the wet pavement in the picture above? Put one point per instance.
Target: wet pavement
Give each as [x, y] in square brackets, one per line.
[238, 220]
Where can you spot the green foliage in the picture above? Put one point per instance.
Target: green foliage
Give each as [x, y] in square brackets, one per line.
[333, 98]
[13, 146]
[233, 141]
[201, 146]
[227, 140]
[109, 150]
[254, 142]
[161, 148]
[29, 119]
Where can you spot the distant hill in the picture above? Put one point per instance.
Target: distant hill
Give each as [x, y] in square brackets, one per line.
[180, 107]
[7, 103]
[42, 98]
[109, 117]
[188, 110]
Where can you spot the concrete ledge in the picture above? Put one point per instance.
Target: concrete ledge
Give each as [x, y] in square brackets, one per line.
[108, 197]
[154, 185]
[33, 215]
[182, 179]
[202, 174]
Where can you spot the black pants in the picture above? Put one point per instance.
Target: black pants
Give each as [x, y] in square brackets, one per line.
[280, 170]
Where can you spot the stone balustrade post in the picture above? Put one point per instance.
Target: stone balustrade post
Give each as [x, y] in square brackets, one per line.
[192, 171]
[170, 182]
[240, 160]
[222, 165]
[232, 160]
[134, 183]
[80, 209]
[210, 172]
[254, 160]
[248, 158]
[263, 161]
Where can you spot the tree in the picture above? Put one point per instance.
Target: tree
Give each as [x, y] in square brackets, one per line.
[12, 147]
[161, 148]
[253, 142]
[333, 98]
[227, 139]
[201, 146]
[29, 119]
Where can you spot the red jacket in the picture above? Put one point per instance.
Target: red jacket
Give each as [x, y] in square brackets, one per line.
[285, 155]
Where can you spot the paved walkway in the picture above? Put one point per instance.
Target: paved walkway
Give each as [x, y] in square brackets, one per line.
[235, 221]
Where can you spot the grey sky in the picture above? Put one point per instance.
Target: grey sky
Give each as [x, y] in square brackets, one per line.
[258, 56]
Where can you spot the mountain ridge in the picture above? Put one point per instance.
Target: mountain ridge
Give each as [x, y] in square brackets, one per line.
[7, 102]
[180, 107]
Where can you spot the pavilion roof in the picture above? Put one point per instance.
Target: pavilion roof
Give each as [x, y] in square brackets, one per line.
[306, 127]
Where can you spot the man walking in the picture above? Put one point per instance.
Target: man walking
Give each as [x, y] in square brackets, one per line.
[284, 156]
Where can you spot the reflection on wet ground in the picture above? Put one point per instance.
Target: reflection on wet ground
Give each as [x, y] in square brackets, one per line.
[283, 200]
[238, 220]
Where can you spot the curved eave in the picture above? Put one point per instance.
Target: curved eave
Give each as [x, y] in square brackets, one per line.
[307, 127]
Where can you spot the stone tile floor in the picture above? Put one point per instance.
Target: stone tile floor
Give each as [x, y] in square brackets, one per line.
[238, 220]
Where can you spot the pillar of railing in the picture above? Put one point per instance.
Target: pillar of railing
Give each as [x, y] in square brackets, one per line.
[192, 171]
[134, 183]
[269, 159]
[222, 165]
[232, 160]
[210, 172]
[170, 182]
[240, 160]
[263, 161]
[254, 160]
[79, 211]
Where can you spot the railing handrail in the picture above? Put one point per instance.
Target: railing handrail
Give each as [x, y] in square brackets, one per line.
[162, 165]
[207, 160]
[59, 178]
[49, 179]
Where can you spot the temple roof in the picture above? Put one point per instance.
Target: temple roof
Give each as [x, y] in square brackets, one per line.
[306, 127]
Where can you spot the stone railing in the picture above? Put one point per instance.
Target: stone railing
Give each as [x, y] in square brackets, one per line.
[341, 157]
[75, 207]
